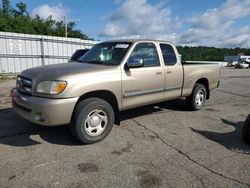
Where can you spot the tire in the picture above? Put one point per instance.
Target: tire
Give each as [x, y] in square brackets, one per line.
[198, 97]
[246, 130]
[92, 121]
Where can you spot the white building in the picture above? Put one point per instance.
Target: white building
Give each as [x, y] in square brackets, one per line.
[233, 59]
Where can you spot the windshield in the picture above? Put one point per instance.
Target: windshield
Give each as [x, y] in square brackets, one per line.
[108, 53]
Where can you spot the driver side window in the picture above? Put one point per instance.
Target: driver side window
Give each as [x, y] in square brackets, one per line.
[147, 52]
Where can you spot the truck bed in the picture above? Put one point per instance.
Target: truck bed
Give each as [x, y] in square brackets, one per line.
[199, 71]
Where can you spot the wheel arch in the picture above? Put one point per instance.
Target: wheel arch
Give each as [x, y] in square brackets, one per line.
[105, 95]
[205, 82]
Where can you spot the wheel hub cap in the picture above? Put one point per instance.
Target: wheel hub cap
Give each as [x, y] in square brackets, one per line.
[96, 122]
[199, 97]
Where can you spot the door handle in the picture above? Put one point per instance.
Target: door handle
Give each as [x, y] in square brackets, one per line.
[169, 72]
[158, 73]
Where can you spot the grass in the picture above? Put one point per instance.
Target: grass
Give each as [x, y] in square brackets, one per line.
[7, 76]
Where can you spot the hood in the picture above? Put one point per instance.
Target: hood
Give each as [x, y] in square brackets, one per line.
[58, 71]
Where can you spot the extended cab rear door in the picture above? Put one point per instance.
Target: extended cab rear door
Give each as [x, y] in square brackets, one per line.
[143, 85]
[173, 71]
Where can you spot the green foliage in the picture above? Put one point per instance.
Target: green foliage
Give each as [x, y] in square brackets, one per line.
[19, 21]
[6, 6]
[202, 53]
[22, 10]
[7, 77]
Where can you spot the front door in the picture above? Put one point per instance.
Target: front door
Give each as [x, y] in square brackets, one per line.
[143, 85]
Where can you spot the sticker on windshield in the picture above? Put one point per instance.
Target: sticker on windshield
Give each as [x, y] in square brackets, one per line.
[121, 46]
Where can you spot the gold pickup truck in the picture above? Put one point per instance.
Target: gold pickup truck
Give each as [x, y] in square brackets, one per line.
[112, 76]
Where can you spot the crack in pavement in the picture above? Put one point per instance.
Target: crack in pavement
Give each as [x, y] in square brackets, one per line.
[200, 179]
[188, 157]
[202, 183]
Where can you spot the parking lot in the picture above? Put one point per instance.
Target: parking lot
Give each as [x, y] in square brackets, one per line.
[163, 145]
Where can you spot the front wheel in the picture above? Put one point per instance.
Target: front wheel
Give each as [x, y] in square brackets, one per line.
[198, 97]
[92, 120]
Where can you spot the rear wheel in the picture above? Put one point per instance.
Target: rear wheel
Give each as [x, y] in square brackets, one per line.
[246, 130]
[198, 97]
[92, 120]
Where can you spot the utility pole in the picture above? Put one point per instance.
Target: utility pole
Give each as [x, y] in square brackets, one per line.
[66, 24]
[66, 28]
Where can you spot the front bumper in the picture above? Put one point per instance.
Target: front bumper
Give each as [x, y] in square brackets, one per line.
[43, 111]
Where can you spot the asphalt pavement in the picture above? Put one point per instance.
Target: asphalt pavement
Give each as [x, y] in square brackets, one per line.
[163, 145]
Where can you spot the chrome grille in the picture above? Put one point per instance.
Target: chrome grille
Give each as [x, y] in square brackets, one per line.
[24, 85]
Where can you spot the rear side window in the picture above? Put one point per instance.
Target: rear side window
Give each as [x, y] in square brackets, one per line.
[148, 53]
[168, 54]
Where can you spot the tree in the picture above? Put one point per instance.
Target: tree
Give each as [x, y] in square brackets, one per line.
[18, 20]
[22, 9]
[6, 6]
[202, 53]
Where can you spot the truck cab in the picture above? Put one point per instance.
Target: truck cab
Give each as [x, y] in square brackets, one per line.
[150, 74]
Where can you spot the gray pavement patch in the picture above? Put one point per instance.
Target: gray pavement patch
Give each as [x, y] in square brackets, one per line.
[211, 110]
[12, 177]
[87, 167]
[126, 149]
[153, 137]
[148, 180]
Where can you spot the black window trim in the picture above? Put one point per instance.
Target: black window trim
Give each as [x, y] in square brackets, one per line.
[163, 57]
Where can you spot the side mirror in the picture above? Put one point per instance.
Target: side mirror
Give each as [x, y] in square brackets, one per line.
[135, 63]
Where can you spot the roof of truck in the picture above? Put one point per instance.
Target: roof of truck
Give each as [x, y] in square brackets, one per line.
[137, 40]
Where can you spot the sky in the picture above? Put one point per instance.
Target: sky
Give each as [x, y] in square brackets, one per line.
[218, 23]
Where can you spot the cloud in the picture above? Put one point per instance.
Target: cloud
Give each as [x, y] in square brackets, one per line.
[140, 19]
[214, 27]
[44, 11]
[239, 38]
[210, 27]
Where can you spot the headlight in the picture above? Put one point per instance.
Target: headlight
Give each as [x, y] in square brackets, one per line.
[51, 87]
